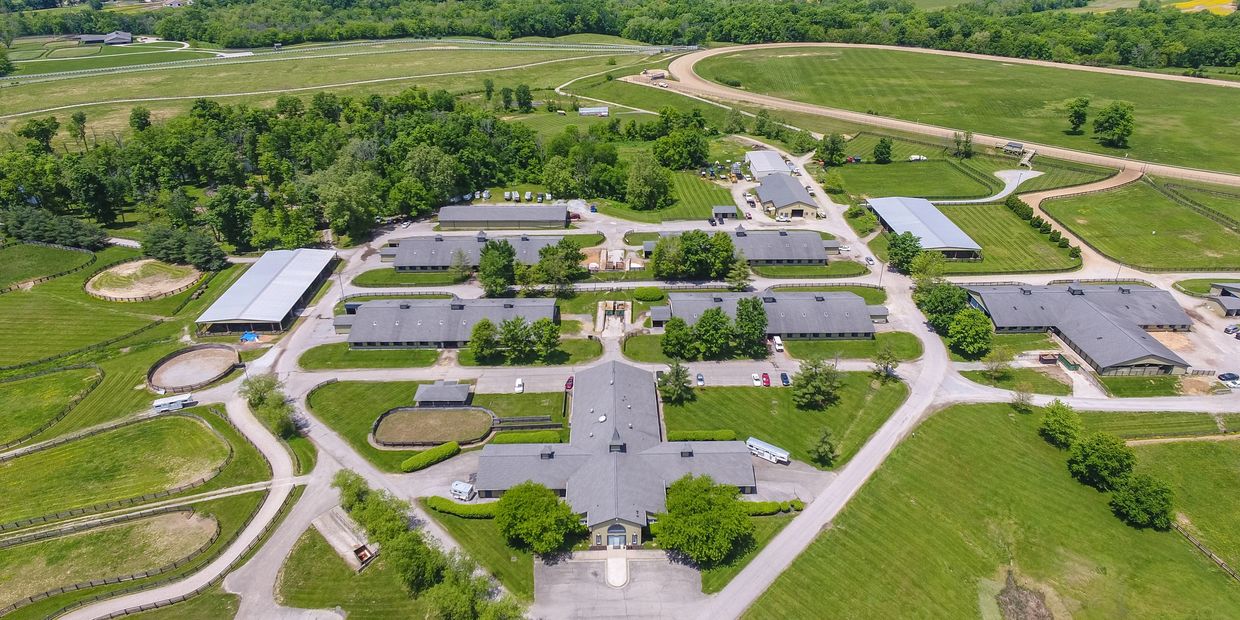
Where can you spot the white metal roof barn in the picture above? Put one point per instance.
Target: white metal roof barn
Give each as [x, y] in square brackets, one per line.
[926, 222]
[265, 297]
[762, 163]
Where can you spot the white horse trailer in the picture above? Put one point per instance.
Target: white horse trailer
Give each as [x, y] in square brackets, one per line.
[174, 403]
[764, 450]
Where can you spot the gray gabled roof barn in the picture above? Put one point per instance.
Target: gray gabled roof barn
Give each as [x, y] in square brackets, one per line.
[925, 221]
[436, 320]
[782, 190]
[483, 214]
[270, 288]
[442, 391]
[786, 312]
[438, 251]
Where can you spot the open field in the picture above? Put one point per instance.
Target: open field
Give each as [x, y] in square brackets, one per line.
[112, 551]
[1038, 382]
[524, 404]
[1139, 226]
[481, 540]
[338, 355]
[20, 262]
[1204, 475]
[905, 345]
[127, 462]
[27, 404]
[1009, 244]
[1143, 425]
[314, 577]
[351, 407]
[765, 528]
[947, 541]
[119, 394]
[769, 415]
[549, 124]
[924, 179]
[1225, 200]
[214, 604]
[440, 424]
[1137, 387]
[57, 62]
[694, 198]
[571, 351]
[977, 95]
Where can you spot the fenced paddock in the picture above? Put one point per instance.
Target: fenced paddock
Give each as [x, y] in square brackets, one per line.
[143, 279]
[428, 426]
[192, 368]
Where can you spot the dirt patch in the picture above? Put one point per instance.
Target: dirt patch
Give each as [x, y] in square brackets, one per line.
[1020, 603]
[142, 278]
[1055, 372]
[437, 425]
[193, 367]
[1176, 341]
[1197, 386]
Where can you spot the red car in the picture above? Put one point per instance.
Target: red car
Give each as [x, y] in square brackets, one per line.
[568, 385]
[766, 380]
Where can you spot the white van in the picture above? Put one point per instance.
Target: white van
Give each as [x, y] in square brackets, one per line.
[463, 491]
[779, 344]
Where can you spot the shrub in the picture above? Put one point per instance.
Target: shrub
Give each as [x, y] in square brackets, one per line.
[648, 293]
[1075, 252]
[1036, 221]
[547, 436]
[734, 83]
[27, 223]
[426, 458]
[533, 517]
[722, 434]
[1045, 228]
[762, 509]
[1063, 243]
[465, 511]
[1061, 425]
[1055, 236]
[796, 505]
[1101, 461]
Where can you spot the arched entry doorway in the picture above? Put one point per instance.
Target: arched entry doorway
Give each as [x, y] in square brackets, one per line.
[616, 535]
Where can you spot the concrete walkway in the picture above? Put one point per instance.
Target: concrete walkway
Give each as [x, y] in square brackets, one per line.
[1011, 179]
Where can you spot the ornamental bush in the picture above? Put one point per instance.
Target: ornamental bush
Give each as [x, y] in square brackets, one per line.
[1055, 236]
[426, 458]
[648, 293]
[723, 434]
[547, 436]
[1075, 252]
[465, 511]
[1063, 243]
[762, 509]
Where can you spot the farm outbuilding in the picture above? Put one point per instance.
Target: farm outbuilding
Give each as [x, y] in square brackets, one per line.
[1225, 298]
[763, 163]
[442, 393]
[465, 217]
[926, 222]
[785, 196]
[116, 37]
[601, 111]
[773, 247]
[790, 315]
[267, 297]
[723, 212]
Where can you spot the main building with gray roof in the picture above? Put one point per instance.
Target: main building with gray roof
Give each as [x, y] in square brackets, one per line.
[784, 195]
[617, 465]
[927, 223]
[1106, 325]
[433, 323]
[774, 247]
[467, 217]
[437, 252]
[789, 315]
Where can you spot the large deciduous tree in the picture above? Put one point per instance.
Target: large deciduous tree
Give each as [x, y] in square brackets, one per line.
[649, 185]
[497, 267]
[1115, 123]
[531, 516]
[704, 521]
[713, 334]
[1142, 500]
[1101, 460]
[970, 332]
[751, 327]
[816, 385]
[902, 249]
[674, 384]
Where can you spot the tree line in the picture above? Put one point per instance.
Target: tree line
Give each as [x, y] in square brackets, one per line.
[1146, 36]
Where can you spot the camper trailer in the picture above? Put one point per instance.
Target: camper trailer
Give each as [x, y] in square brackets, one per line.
[463, 491]
[174, 403]
[764, 450]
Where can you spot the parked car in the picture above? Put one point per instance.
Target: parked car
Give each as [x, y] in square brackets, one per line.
[701, 380]
[785, 379]
[810, 190]
[766, 380]
[507, 195]
[869, 260]
[516, 196]
[477, 195]
[845, 248]
[540, 199]
[568, 385]
[548, 196]
[748, 215]
[486, 194]
[529, 196]
[1224, 377]
[1231, 329]
[406, 224]
[574, 216]
[757, 380]
[519, 386]
[712, 222]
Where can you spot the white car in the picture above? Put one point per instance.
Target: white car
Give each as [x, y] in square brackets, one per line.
[845, 248]
[519, 387]
[757, 379]
[869, 260]
[917, 158]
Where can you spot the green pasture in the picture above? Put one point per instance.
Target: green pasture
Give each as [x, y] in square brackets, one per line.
[906, 346]
[979, 95]
[351, 407]
[126, 462]
[112, 551]
[925, 179]
[314, 577]
[1145, 424]
[59, 62]
[27, 404]
[770, 415]
[482, 541]
[974, 493]
[338, 355]
[1201, 286]
[1140, 226]
[694, 199]
[1204, 475]
[21, 262]
[1009, 244]
[1219, 198]
[1036, 382]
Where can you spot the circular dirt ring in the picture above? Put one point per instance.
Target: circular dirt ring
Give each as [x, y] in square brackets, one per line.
[431, 425]
[142, 280]
[192, 368]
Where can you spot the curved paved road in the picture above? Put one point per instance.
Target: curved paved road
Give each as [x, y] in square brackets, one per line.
[691, 82]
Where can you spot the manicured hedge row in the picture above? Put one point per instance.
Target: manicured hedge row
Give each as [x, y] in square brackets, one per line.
[426, 458]
[527, 437]
[723, 434]
[465, 511]
[760, 509]
[648, 293]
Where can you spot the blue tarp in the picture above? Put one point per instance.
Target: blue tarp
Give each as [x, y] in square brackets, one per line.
[249, 337]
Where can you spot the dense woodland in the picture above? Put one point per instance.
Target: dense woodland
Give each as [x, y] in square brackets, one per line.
[1146, 37]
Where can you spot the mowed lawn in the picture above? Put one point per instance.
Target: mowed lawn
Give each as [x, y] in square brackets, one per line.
[113, 551]
[1009, 244]
[979, 95]
[1139, 226]
[126, 462]
[1201, 286]
[1037, 382]
[906, 346]
[27, 404]
[21, 262]
[481, 540]
[976, 492]
[314, 577]
[1223, 199]
[694, 199]
[1204, 476]
[1144, 424]
[936, 178]
[338, 355]
[351, 407]
[770, 415]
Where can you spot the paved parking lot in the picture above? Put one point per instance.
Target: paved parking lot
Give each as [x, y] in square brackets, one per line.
[577, 589]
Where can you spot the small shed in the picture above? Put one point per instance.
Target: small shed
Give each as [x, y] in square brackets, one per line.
[1014, 148]
[601, 111]
[346, 538]
[722, 212]
[442, 394]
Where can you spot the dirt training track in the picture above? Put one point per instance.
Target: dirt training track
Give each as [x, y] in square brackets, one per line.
[689, 82]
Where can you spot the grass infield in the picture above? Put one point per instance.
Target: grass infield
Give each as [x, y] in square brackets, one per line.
[439, 424]
[314, 577]
[338, 355]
